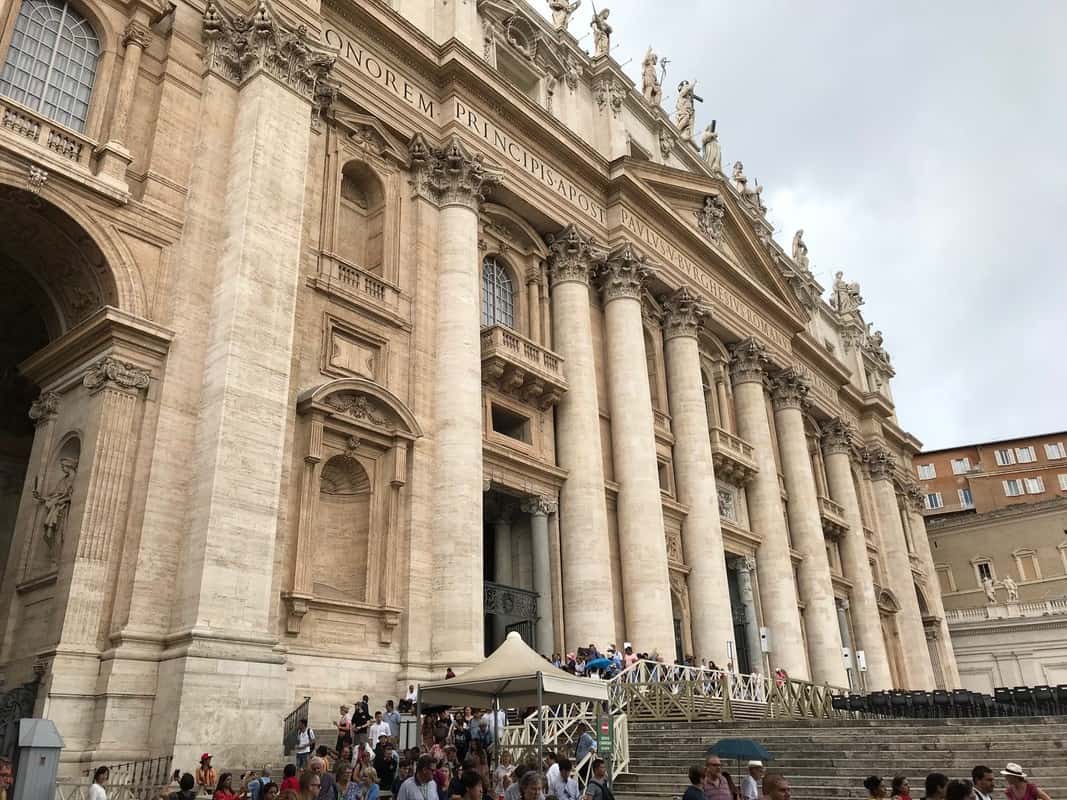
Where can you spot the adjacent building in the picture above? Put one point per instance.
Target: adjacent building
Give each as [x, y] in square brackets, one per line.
[345, 337]
[996, 515]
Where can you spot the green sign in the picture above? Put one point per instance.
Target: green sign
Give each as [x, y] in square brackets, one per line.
[605, 736]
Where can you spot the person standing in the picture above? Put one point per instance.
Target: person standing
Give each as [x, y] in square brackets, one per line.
[695, 790]
[392, 719]
[901, 788]
[936, 784]
[305, 741]
[598, 788]
[207, 777]
[875, 787]
[1019, 788]
[96, 788]
[750, 783]
[344, 728]
[421, 785]
[290, 783]
[984, 783]
[378, 729]
[775, 787]
[716, 787]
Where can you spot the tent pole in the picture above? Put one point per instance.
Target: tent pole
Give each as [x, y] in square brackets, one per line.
[540, 723]
[496, 731]
[418, 719]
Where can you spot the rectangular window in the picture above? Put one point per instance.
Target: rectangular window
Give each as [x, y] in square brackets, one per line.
[1026, 455]
[1054, 450]
[1035, 485]
[1063, 482]
[1005, 457]
[1014, 488]
[965, 498]
[510, 424]
[984, 571]
[961, 466]
[934, 500]
[927, 471]
[944, 577]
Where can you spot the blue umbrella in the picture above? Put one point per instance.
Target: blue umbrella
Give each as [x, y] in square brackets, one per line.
[600, 663]
[740, 749]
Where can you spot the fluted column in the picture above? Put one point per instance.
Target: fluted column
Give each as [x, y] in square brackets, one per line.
[642, 542]
[837, 441]
[745, 567]
[709, 594]
[916, 659]
[583, 515]
[114, 155]
[778, 593]
[452, 178]
[789, 391]
[539, 508]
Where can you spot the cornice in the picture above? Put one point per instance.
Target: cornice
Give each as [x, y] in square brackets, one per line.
[832, 368]
[1057, 505]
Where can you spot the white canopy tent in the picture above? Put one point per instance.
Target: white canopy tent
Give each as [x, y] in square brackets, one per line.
[513, 676]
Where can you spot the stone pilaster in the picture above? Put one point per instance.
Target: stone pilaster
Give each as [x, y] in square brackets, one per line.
[453, 179]
[838, 439]
[539, 508]
[583, 517]
[789, 391]
[711, 620]
[642, 542]
[778, 592]
[114, 155]
[881, 465]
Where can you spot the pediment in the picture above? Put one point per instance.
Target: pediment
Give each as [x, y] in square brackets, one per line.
[367, 133]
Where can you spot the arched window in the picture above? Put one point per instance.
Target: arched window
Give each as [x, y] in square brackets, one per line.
[51, 62]
[498, 295]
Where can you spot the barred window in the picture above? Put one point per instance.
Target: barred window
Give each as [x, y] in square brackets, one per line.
[51, 62]
[498, 298]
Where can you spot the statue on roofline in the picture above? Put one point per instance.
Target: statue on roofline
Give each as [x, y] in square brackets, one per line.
[562, 11]
[711, 150]
[601, 32]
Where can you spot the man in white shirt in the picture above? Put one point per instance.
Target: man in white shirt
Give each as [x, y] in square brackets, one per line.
[750, 783]
[552, 773]
[378, 729]
[564, 787]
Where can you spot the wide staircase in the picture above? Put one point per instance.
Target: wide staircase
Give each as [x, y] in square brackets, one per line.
[826, 759]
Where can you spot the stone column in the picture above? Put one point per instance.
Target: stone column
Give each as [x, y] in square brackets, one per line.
[837, 440]
[916, 659]
[453, 179]
[846, 641]
[709, 594]
[501, 566]
[789, 390]
[584, 542]
[745, 567]
[539, 508]
[114, 155]
[778, 593]
[533, 303]
[642, 541]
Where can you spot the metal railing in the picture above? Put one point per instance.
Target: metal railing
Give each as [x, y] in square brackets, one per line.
[133, 780]
[291, 725]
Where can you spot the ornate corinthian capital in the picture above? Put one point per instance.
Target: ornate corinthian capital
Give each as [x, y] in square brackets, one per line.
[44, 408]
[114, 374]
[837, 436]
[538, 505]
[623, 275]
[239, 46]
[915, 497]
[748, 361]
[137, 33]
[880, 463]
[789, 388]
[683, 314]
[573, 256]
[449, 175]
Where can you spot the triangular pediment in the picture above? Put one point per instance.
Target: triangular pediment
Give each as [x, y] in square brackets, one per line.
[713, 212]
[367, 133]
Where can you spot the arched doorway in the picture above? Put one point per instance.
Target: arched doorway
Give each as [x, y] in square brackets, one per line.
[888, 609]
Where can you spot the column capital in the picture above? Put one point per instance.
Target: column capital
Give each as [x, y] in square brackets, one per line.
[838, 436]
[623, 275]
[573, 256]
[683, 314]
[137, 33]
[880, 463]
[449, 175]
[748, 361]
[239, 46]
[111, 373]
[790, 388]
[538, 505]
[915, 497]
[44, 408]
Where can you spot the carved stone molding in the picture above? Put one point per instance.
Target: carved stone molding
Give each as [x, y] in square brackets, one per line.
[573, 256]
[111, 373]
[36, 178]
[683, 314]
[623, 275]
[711, 218]
[238, 46]
[915, 497]
[44, 408]
[790, 388]
[137, 33]
[838, 436]
[748, 361]
[449, 175]
[539, 505]
[667, 140]
[358, 406]
[880, 463]
[609, 92]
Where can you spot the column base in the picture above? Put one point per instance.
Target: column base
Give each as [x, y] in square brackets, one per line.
[112, 161]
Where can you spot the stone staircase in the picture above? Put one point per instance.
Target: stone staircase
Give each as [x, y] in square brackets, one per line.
[828, 759]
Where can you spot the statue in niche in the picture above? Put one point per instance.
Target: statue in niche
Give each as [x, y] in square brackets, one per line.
[800, 250]
[726, 505]
[651, 87]
[711, 217]
[601, 33]
[685, 108]
[711, 150]
[1012, 588]
[990, 589]
[56, 505]
[845, 297]
[562, 11]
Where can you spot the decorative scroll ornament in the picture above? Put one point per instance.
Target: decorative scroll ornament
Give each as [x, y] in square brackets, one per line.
[539, 505]
[748, 361]
[880, 463]
[238, 46]
[838, 436]
[44, 408]
[711, 218]
[573, 255]
[790, 388]
[357, 406]
[624, 274]
[449, 175]
[114, 374]
[683, 314]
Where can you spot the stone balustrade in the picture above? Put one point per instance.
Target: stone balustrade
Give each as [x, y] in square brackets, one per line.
[24, 126]
[516, 365]
[1009, 610]
[350, 282]
[834, 522]
[733, 457]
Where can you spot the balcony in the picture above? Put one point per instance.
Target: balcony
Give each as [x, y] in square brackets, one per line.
[733, 457]
[515, 365]
[359, 287]
[834, 523]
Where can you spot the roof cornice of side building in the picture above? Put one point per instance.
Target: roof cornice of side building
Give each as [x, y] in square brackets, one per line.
[1012, 439]
[957, 523]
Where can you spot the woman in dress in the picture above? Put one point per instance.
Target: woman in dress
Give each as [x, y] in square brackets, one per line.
[1019, 788]
[224, 789]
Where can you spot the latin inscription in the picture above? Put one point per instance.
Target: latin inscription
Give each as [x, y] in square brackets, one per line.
[382, 74]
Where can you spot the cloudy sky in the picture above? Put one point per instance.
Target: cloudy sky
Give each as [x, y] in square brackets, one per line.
[921, 147]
